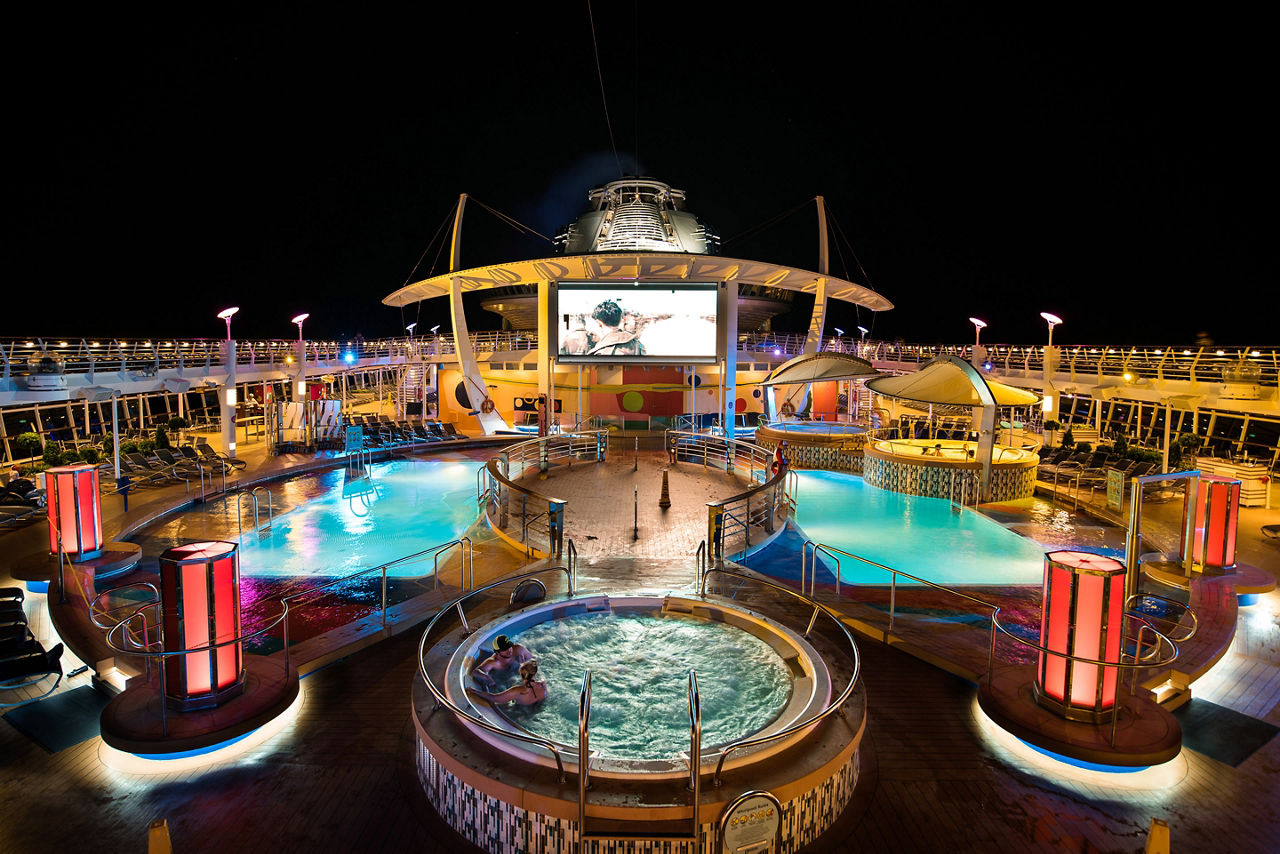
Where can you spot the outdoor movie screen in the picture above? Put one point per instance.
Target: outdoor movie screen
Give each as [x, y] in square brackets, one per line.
[671, 324]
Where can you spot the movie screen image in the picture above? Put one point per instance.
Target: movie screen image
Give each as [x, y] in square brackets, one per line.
[610, 323]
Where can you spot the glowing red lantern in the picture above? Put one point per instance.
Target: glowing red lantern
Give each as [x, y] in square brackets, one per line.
[1216, 503]
[200, 607]
[1083, 616]
[75, 511]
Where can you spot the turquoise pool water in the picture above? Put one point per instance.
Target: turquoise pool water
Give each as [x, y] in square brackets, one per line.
[922, 536]
[640, 681]
[356, 523]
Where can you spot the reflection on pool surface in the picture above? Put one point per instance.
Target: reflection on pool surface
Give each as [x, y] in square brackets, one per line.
[400, 508]
[327, 526]
[922, 536]
[640, 670]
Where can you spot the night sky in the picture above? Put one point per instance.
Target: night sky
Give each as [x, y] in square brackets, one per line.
[1116, 168]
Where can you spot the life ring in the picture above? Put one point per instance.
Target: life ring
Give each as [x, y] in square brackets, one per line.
[787, 408]
[487, 406]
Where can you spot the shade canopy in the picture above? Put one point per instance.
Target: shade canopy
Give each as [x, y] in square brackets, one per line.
[821, 367]
[947, 384]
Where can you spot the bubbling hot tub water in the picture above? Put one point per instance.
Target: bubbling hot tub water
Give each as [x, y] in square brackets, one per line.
[755, 678]
[640, 665]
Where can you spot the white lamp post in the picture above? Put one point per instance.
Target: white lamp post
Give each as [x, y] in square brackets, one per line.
[227, 404]
[978, 326]
[1050, 405]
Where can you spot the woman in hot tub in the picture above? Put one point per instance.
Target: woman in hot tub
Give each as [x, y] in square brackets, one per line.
[530, 690]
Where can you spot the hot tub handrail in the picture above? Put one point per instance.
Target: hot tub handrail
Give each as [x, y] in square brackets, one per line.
[1139, 662]
[818, 608]
[442, 700]
[584, 756]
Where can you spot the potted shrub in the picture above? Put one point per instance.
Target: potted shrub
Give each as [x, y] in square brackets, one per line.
[1068, 438]
[1051, 427]
[176, 425]
[28, 445]
[162, 437]
[52, 454]
[90, 455]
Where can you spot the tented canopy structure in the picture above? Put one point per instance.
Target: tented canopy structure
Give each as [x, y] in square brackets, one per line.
[951, 381]
[944, 383]
[820, 367]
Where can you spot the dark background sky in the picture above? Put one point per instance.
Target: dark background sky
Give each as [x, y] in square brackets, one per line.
[1116, 168]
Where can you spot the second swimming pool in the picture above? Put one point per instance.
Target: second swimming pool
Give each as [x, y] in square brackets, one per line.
[922, 536]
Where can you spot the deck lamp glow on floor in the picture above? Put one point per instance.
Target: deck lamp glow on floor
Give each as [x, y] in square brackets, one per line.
[75, 510]
[200, 609]
[1083, 616]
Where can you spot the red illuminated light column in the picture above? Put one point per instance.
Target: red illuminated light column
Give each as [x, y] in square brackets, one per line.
[200, 605]
[1216, 504]
[75, 511]
[1083, 616]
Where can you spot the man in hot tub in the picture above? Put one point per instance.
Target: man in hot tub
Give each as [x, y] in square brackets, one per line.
[506, 655]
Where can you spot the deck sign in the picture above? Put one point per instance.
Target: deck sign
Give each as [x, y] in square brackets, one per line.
[750, 823]
[1115, 489]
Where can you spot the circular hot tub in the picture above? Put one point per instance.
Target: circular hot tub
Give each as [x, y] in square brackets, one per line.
[505, 793]
[755, 677]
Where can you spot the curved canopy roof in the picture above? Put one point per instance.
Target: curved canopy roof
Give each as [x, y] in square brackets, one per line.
[819, 367]
[655, 267]
[945, 383]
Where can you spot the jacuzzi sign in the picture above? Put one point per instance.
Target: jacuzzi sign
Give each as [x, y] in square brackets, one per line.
[750, 823]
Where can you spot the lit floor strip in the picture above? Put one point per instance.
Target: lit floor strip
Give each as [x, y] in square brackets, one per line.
[1033, 760]
[226, 753]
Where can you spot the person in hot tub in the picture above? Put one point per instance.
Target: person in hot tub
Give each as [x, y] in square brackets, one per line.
[530, 690]
[506, 655]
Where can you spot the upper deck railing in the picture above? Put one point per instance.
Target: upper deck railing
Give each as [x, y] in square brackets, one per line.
[1254, 364]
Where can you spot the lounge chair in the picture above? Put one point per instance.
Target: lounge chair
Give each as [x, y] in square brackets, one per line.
[17, 641]
[29, 669]
[12, 514]
[159, 472]
[1271, 532]
[451, 432]
[12, 614]
[210, 455]
[12, 594]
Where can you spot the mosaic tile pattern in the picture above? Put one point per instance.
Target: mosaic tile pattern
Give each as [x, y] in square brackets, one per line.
[500, 827]
[846, 456]
[1007, 483]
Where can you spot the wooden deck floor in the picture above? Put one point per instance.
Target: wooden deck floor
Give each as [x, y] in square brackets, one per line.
[339, 777]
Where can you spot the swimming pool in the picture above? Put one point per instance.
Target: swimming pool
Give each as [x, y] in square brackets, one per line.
[402, 507]
[915, 534]
[328, 525]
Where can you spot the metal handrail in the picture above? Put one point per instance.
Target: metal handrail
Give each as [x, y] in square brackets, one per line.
[1129, 606]
[166, 653]
[442, 700]
[584, 757]
[692, 445]
[1139, 661]
[253, 495]
[818, 608]
[832, 551]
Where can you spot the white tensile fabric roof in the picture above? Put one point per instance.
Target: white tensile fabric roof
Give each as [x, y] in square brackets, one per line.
[947, 384]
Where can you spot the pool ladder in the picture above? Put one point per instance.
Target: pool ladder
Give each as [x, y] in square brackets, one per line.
[694, 834]
[253, 496]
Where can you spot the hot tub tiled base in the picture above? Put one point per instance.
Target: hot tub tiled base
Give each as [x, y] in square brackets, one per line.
[495, 825]
[502, 804]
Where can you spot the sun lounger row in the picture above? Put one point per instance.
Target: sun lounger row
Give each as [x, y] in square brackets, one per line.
[380, 431]
[23, 660]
